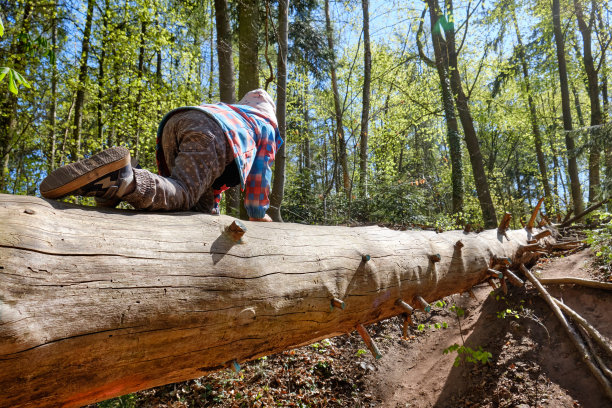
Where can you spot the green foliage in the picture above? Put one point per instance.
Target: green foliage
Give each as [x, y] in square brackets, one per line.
[601, 239]
[14, 79]
[125, 401]
[467, 354]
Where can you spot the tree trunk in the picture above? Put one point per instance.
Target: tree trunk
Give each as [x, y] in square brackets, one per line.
[463, 108]
[96, 304]
[53, 108]
[365, 111]
[80, 98]
[8, 106]
[337, 107]
[227, 83]
[448, 103]
[593, 88]
[572, 163]
[227, 87]
[248, 67]
[278, 189]
[537, 136]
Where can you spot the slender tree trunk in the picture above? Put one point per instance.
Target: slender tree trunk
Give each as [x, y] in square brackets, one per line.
[53, 107]
[593, 88]
[572, 163]
[80, 100]
[227, 90]
[463, 108]
[141, 52]
[448, 103]
[278, 189]
[537, 136]
[101, 62]
[8, 107]
[227, 87]
[365, 111]
[248, 46]
[337, 107]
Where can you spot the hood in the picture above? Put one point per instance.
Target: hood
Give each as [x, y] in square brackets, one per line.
[260, 100]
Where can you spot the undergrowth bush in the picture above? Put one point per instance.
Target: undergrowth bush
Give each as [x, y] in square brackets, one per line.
[600, 239]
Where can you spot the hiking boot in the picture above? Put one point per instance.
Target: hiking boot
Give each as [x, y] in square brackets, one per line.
[107, 175]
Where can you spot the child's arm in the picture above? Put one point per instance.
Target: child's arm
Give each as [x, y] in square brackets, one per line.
[256, 200]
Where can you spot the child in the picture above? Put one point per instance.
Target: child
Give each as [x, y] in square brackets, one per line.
[201, 152]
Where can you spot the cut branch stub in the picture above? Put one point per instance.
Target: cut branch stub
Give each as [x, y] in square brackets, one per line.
[534, 214]
[434, 258]
[368, 341]
[459, 244]
[407, 308]
[515, 280]
[236, 230]
[468, 228]
[424, 305]
[491, 283]
[365, 258]
[504, 286]
[235, 366]
[407, 322]
[495, 274]
[542, 234]
[529, 248]
[504, 223]
[337, 303]
[500, 260]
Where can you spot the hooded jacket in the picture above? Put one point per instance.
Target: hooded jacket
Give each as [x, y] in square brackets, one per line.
[251, 128]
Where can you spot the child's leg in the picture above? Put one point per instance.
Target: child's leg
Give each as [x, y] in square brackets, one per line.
[196, 151]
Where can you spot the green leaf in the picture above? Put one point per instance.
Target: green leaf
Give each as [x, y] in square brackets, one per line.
[21, 80]
[3, 72]
[1, 28]
[12, 85]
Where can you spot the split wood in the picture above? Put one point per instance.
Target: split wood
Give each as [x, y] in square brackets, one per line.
[574, 336]
[576, 281]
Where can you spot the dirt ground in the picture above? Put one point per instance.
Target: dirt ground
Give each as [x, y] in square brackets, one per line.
[532, 362]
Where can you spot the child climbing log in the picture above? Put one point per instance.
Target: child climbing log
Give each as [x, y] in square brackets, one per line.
[96, 304]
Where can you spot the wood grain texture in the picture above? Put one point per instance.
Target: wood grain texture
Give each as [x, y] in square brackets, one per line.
[99, 303]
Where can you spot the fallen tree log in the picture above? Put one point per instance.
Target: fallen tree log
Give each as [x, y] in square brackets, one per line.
[99, 303]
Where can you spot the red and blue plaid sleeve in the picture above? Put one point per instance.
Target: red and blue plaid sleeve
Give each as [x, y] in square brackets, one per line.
[256, 200]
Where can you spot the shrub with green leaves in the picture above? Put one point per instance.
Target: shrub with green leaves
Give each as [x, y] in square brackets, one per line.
[601, 239]
[465, 353]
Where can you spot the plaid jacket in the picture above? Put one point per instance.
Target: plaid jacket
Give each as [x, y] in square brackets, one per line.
[254, 139]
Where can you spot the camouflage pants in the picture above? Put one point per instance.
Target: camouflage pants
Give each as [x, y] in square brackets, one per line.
[196, 151]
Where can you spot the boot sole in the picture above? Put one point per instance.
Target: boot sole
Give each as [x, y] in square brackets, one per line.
[67, 179]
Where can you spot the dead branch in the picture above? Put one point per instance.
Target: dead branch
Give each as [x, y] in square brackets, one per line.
[574, 336]
[576, 281]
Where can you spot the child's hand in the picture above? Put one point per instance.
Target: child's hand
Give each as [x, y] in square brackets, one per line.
[266, 218]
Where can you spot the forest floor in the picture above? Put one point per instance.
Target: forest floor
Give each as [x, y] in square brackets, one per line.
[532, 364]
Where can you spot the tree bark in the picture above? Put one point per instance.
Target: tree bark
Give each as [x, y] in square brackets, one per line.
[346, 183]
[80, 96]
[593, 89]
[8, 106]
[278, 188]
[537, 136]
[365, 111]
[96, 304]
[465, 116]
[53, 108]
[572, 163]
[227, 87]
[248, 70]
